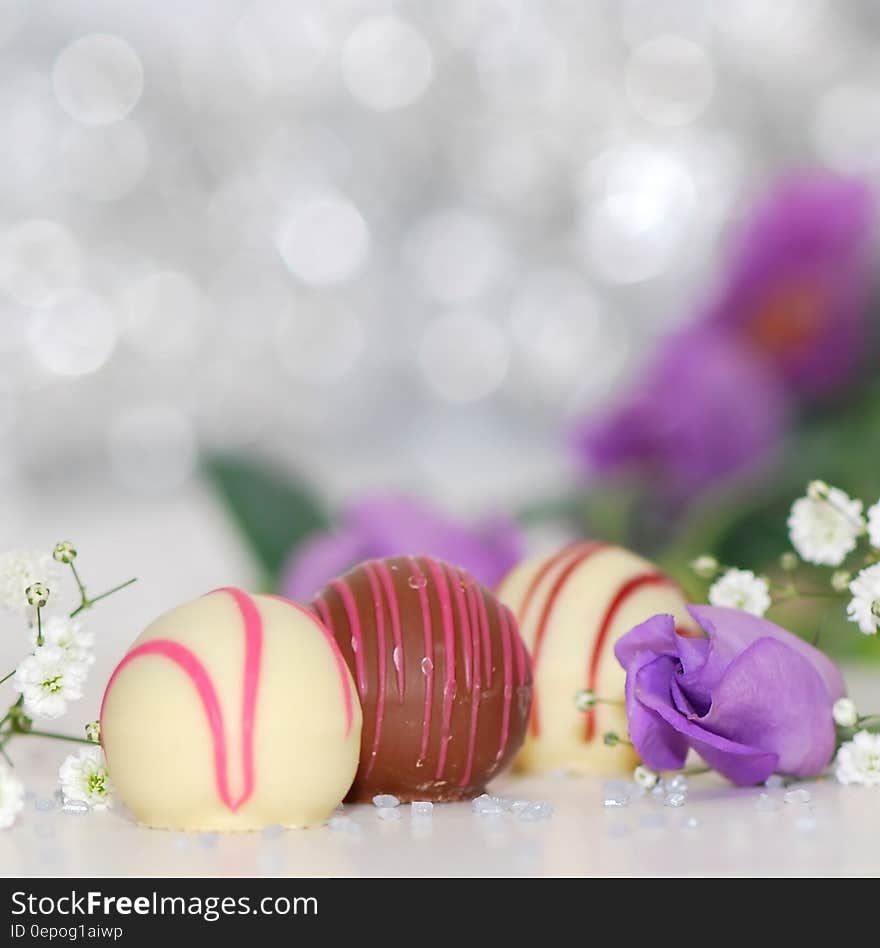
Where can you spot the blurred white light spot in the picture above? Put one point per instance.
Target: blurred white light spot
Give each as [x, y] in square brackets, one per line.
[98, 79]
[846, 127]
[456, 255]
[555, 323]
[669, 80]
[522, 62]
[152, 448]
[325, 240]
[38, 258]
[164, 314]
[319, 342]
[105, 164]
[642, 209]
[73, 334]
[464, 357]
[278, 45]
[386, 64]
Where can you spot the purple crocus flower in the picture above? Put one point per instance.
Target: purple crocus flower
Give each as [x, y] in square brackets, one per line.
[797, 284]
[750, 698]
[388, 526]
[704, 409]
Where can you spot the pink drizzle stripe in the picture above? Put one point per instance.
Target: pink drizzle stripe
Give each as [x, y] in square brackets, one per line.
[323, 623]
[449, 642]
[457, 580]
[487, 641]
[357, 635]
[393, 607]
[253, 638]
[376, 592]
[508, 681]
[188, 663]
[519, 649]
[420, 582]
[476, 690]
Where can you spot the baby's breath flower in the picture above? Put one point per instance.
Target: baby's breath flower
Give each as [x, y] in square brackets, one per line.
[37, 594]
[93, 732]
[858, 760]
[48, 680]
[584, 700]
[706, 566]
[845, 712]
[741, 589]
[645, 777]
[864, 607]
[69, 635]
[11, 797]
[789, 561]
[64, 552]
[840, 580]
[825, 525]
[21, 569]
[84, 779]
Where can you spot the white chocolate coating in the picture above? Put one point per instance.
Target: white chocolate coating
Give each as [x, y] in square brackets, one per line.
[272, 670]
[572, 607]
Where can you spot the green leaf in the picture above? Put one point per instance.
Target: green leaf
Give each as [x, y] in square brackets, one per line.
[274, 512]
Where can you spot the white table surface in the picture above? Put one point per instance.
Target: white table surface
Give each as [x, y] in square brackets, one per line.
[180, 549]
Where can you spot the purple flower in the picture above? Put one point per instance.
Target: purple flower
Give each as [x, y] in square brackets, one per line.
[387, 526]
[798, 281]
[750, 698]
[704, 409]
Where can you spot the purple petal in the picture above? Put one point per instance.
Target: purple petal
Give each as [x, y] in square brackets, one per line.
[730, 632]
[739, 762]
[772, 697]
[654, 636]
[658, 744]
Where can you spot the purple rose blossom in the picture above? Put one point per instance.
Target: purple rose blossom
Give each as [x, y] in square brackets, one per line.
[798, 282]
[388, 526]
[705, 408]
[750, 698]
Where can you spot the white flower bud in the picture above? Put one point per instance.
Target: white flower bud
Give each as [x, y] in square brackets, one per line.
[93, 731]
[64, 552]
[37, 595]
[789, 561]
[705, 566]
[584, 700]
[840, 580]
[645, 777]
[845, 712]
[818, 490]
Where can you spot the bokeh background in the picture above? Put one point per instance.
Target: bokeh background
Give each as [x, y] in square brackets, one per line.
[544, 269]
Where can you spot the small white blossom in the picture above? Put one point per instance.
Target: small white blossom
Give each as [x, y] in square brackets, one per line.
[705, 566]
[845, 712]
[48, 680]
[840, 580]
[84, 779]
[825, 525]
[69, 635]
[741, 589]
[584, 700]
[11, 797]
[874, 525]
[645, 777]
[21, 569]
[858, 760]
[864, 607]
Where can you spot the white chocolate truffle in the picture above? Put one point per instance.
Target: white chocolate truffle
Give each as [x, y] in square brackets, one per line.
[232, 712]
[572, 607]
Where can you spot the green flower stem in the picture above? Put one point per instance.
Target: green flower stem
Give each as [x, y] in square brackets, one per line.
[39, 628]
[79, 584]
[5, 755]
[54, 736]
[88, 603]
[7, 677]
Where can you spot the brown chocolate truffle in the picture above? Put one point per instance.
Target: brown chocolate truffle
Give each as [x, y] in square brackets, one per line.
[444, 679]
